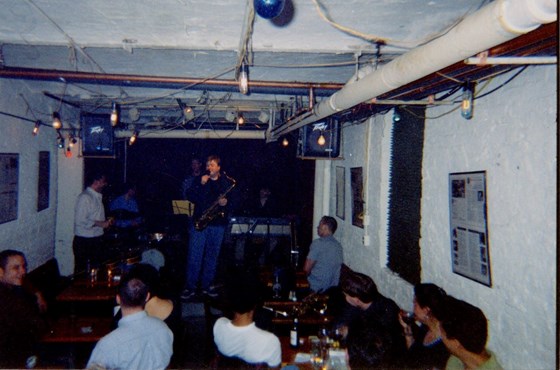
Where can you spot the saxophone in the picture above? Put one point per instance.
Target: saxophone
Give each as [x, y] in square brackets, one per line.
[214, 210]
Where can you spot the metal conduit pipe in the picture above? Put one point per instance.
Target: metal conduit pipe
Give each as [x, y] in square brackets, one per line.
[496, 23]
[198, 134]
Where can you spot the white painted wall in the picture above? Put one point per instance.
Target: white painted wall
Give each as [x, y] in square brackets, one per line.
[32, 232]
[513, 137]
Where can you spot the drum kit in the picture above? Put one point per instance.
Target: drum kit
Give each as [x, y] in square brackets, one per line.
[128, 246]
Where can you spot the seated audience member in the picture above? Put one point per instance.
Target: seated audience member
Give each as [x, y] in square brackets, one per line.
[369, 307]
[464, 331]
[425, 347]
[140, 341]
[20, 322]
[159, 305]
[240, 337]
[372, 350]
[325, 257]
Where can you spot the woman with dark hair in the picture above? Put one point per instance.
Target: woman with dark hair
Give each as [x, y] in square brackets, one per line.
[425, 347]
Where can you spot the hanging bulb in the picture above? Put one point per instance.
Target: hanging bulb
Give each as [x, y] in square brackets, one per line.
[133, 138]
[57, 123]
[71, 141]
[68, 152]
[114, 114]
[60, 143]
[36, 128]
[321, 141]
[244, 79]
[240, 120]
[467, 102]
[396, 115]
[285, 142]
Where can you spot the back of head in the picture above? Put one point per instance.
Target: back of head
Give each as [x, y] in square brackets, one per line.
[465, 323]
[149, 275]
[360, 286]
[243, 294]
[5, 256]
[132, 291]
[214, 158]
[430, 296]
[330, 222]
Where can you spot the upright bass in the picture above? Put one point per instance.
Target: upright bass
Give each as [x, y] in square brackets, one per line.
[214, 210]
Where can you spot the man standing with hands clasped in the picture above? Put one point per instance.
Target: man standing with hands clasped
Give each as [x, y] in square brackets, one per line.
[205, 241]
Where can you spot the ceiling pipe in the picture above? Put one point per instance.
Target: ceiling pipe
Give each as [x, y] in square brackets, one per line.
[496, 23]
[192, 134]
[168, 82]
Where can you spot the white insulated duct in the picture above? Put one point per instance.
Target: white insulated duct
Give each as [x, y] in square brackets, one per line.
[496, 23]
[193, 134]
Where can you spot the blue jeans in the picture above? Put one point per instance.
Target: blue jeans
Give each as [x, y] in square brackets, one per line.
[202, 256]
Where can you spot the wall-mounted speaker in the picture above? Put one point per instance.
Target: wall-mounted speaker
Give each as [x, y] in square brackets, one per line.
[97, 135]
[309, 145]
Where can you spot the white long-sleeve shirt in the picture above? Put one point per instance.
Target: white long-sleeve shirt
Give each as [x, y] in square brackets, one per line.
[89, 208]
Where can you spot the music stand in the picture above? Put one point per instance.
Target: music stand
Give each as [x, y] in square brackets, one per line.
[182, 207]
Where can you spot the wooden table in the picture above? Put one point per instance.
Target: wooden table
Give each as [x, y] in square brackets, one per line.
[289, 353]
[84, 291]
[308, 317]
[77, 329]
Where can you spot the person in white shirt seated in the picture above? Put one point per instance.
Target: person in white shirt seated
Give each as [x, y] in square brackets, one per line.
[240, 337]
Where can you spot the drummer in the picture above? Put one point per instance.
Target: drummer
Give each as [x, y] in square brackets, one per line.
[125, 209]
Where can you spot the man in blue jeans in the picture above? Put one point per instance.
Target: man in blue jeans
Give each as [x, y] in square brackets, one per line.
[207, 191]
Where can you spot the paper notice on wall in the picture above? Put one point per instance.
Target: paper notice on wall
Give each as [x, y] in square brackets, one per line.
[469, 230]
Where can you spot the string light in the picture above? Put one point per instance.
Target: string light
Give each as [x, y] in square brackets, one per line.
[321, 140]
[36, 128]
[285, 142]
[396, 115]
[133, 138]
[244, 79]
[240, 120]
[114, 114]
[467, 102]
[57, 123]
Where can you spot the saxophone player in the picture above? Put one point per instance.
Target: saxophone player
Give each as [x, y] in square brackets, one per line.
[208, 193]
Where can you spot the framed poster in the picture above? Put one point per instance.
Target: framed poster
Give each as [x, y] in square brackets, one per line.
[340, 182]
[357, 196]
[470, 254]
[43, 181]
[9, 173]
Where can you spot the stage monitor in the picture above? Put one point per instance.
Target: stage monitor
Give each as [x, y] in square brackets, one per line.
[308, 141]
[97, 135]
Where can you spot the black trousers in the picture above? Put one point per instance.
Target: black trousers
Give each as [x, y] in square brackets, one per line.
[85, 249]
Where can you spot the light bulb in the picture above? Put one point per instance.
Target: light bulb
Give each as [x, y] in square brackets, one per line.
[240, 120]
[321, 141]
[36, 128]
[57, 123]
[132, 139]
[396, 116]
[467, 102]
[285, 142]
[244, 79]
[114, 114]
[68, 153]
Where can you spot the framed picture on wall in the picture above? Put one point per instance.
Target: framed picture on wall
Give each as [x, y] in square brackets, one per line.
[43, 181]
[9, 174]
[470, 254]
[340, 192]
[356, 181]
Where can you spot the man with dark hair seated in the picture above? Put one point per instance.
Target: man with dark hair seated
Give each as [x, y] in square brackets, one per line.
[368, 307]
[21, 324]
[240, 337]
[464, 331]
[140, 341]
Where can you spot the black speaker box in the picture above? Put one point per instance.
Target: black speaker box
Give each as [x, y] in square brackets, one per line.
[97, 135]
[308, 143]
